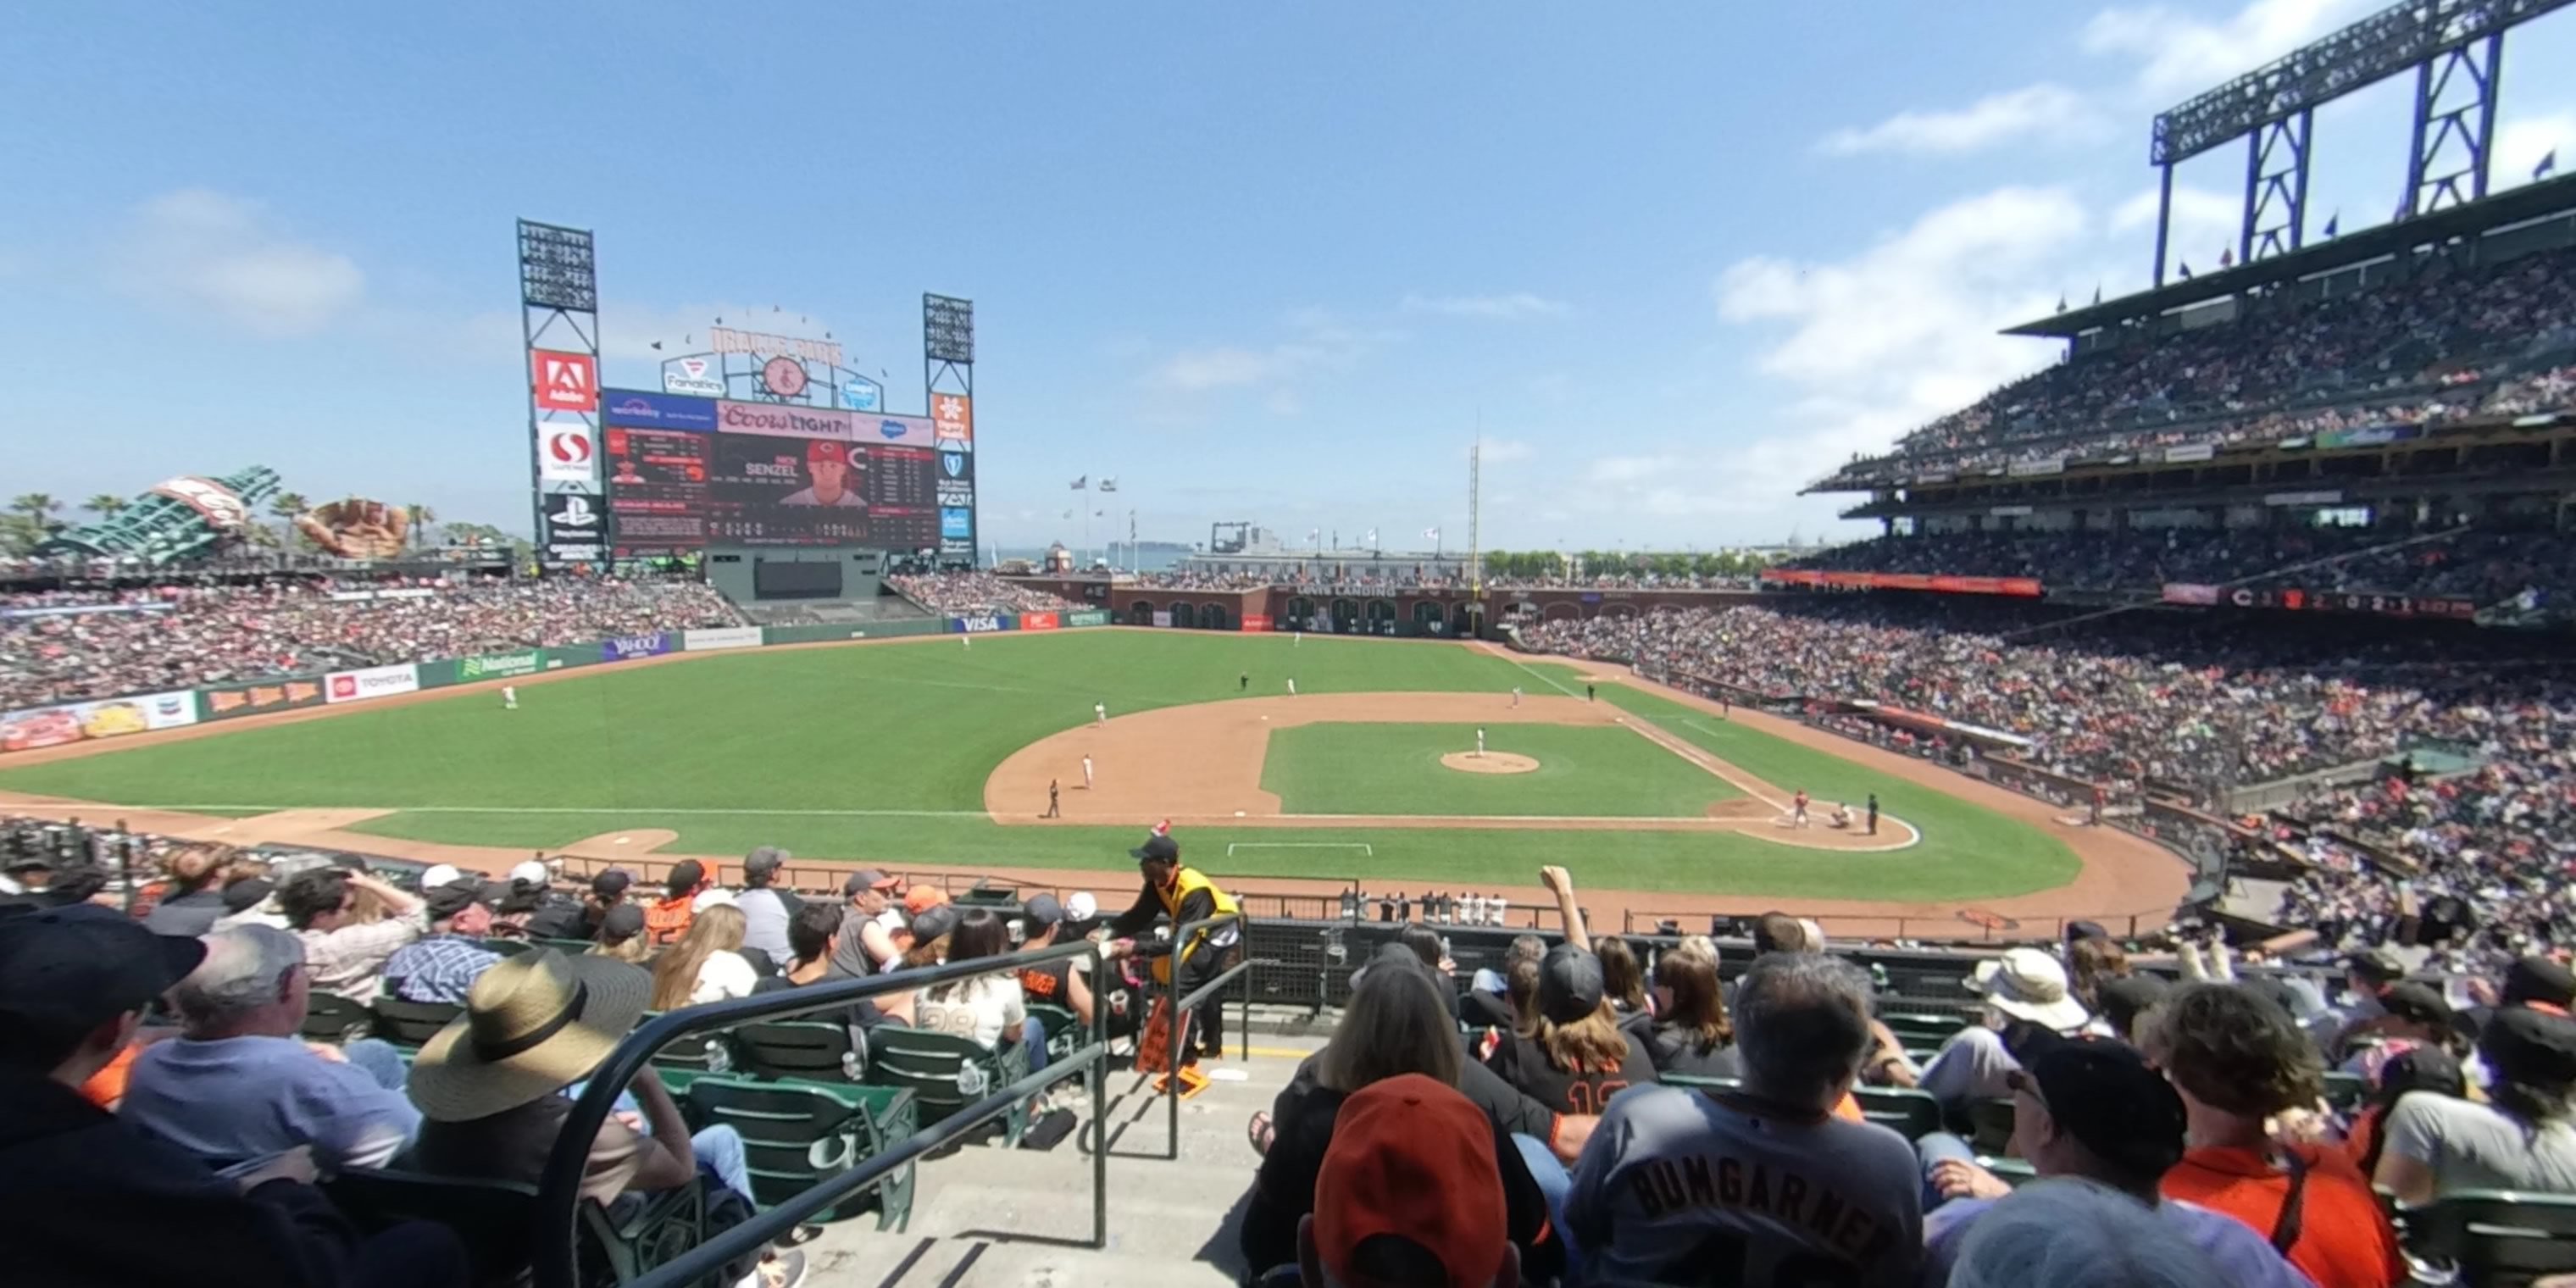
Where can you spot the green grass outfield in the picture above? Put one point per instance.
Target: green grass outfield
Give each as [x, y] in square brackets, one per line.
[1584, 771]
[881, 752]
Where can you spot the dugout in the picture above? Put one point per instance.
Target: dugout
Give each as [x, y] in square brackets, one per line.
[763, 574]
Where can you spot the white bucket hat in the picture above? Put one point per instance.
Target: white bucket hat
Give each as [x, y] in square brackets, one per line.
[2028, 984]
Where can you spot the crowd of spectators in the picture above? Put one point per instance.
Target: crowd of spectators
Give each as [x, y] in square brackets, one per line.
[977, 592]
[2135, 701]
[2486, 566]
[68, 645]
[2444, 343]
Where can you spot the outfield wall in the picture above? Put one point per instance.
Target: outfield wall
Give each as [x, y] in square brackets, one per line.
[104, 718]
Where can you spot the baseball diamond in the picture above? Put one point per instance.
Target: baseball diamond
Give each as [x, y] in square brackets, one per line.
[928, 756]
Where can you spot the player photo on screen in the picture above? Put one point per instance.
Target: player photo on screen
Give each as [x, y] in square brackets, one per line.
[787, 491]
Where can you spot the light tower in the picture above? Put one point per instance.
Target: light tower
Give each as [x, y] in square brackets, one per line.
[1475, 557]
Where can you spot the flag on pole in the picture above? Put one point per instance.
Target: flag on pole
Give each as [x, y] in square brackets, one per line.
[2226, 258]
[2333, 221]
[1431, 534]
[1372, 536]
[2548, 166]
[1081, 483]
[2186, 270]
[2061, 303]
[1108, 484]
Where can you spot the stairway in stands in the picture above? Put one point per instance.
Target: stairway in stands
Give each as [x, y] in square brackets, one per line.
[988, 1217]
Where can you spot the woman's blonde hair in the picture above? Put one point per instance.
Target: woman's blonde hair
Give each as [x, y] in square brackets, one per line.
[1395, 1024]
[716, 929]
[636, 948]
[1591, 1044]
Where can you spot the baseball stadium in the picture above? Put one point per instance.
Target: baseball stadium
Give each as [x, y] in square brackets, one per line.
[2142, 861]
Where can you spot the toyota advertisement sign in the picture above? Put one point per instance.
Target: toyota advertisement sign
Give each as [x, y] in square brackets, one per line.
[372, 682]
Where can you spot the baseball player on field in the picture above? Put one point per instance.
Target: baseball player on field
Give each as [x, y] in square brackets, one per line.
[509, 697]
[1480, 742]
[1798, 809]
[1086, 773]
[1292, 686]
[1100, 713]
[1516, 695]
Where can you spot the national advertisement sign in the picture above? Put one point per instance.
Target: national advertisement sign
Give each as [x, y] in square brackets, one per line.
[370, 682]
[622, 647]
[71, 722]
[1038, 621]
[979, 624]
[702, 641]
[636, 409]
[497, 666]
[224, 701]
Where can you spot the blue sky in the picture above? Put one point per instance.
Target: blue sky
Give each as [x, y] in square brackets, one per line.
[1269, 263]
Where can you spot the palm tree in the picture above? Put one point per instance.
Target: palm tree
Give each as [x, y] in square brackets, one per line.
[106, 505]
[287, 505]
[38, 507]
[421, 517]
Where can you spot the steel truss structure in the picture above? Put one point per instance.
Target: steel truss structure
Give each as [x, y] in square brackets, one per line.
[2455, 48]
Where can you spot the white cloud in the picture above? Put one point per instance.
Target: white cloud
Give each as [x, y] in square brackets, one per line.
[206, 254]
[1503, 451]
[1512, 307]
[2181, 54]
[2052, 113]
[1318, 340]
[2523, 141]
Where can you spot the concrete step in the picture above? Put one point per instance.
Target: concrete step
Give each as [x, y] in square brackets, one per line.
[874, 1260]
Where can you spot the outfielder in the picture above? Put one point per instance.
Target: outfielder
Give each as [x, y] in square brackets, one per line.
[509, 697]
[1292, 686]
[1100, 713]
[1086, 773]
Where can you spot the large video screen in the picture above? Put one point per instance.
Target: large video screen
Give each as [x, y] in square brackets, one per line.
[683, 472]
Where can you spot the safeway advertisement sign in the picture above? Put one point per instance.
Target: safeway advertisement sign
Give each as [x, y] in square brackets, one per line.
[373, 682]
[565, 381]
[565, 454]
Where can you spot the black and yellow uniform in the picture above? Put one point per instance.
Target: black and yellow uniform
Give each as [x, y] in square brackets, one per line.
[1188, 897]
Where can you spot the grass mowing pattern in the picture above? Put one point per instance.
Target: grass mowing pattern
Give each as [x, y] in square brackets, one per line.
[744, 741]
[1395, 769]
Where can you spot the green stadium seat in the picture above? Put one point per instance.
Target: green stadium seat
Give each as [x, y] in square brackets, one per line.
[1703, 1084]
[568, 947]
[1990, 1125]
[1066, 1033]
[798, 1133]
[410, 1024]
[2495, 1237]
[815, 1050]
[496, 1221]
[692, 1056]
[332, 1018]
[1924, 1031]
[1910, 1113]
[946, 1073]
[510, 947]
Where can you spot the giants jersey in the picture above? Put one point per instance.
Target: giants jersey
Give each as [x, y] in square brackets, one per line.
[1679, 1188]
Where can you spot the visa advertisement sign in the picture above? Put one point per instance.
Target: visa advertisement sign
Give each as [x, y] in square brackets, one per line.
[981, 623]
[636, 409]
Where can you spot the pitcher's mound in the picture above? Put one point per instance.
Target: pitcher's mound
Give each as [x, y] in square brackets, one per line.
[1492, 762]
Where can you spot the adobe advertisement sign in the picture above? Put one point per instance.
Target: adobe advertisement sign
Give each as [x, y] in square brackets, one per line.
[565, 381]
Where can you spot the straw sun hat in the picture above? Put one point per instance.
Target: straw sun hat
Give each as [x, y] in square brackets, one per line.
[533, 1023]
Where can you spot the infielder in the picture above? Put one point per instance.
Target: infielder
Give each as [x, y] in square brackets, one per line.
[1100, 713]
[509, 697]
[1292, 686]
[1516, 696]
[1086, 773]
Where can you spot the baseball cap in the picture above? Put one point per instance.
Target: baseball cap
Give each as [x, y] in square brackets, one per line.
[2538, 979]
[532, 872]
[685, 876]
[1158, 848]
[2378, 965]
[822, 449]
[767, 858]
[868, 879]
[448, 900]
[2079, 930]
[931, 923]
[83, 965]
[2521, 1044]
[439, 875]
[1412, 1159]
[923, 898]
[2105, 1095]
[248, 893]
[1041, 910]
[1569, 983]
[623, 922]
[2028, 984]
[612, 883]
[2416, 1002]
[2128, 997]
[711, 897]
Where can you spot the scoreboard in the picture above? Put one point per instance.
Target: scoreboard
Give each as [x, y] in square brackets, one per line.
[685, 471]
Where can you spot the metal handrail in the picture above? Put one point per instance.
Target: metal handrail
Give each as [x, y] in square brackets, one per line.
[1180, 949]
[559, 1188]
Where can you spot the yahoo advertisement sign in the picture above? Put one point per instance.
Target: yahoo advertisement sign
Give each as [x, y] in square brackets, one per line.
[622, 647]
